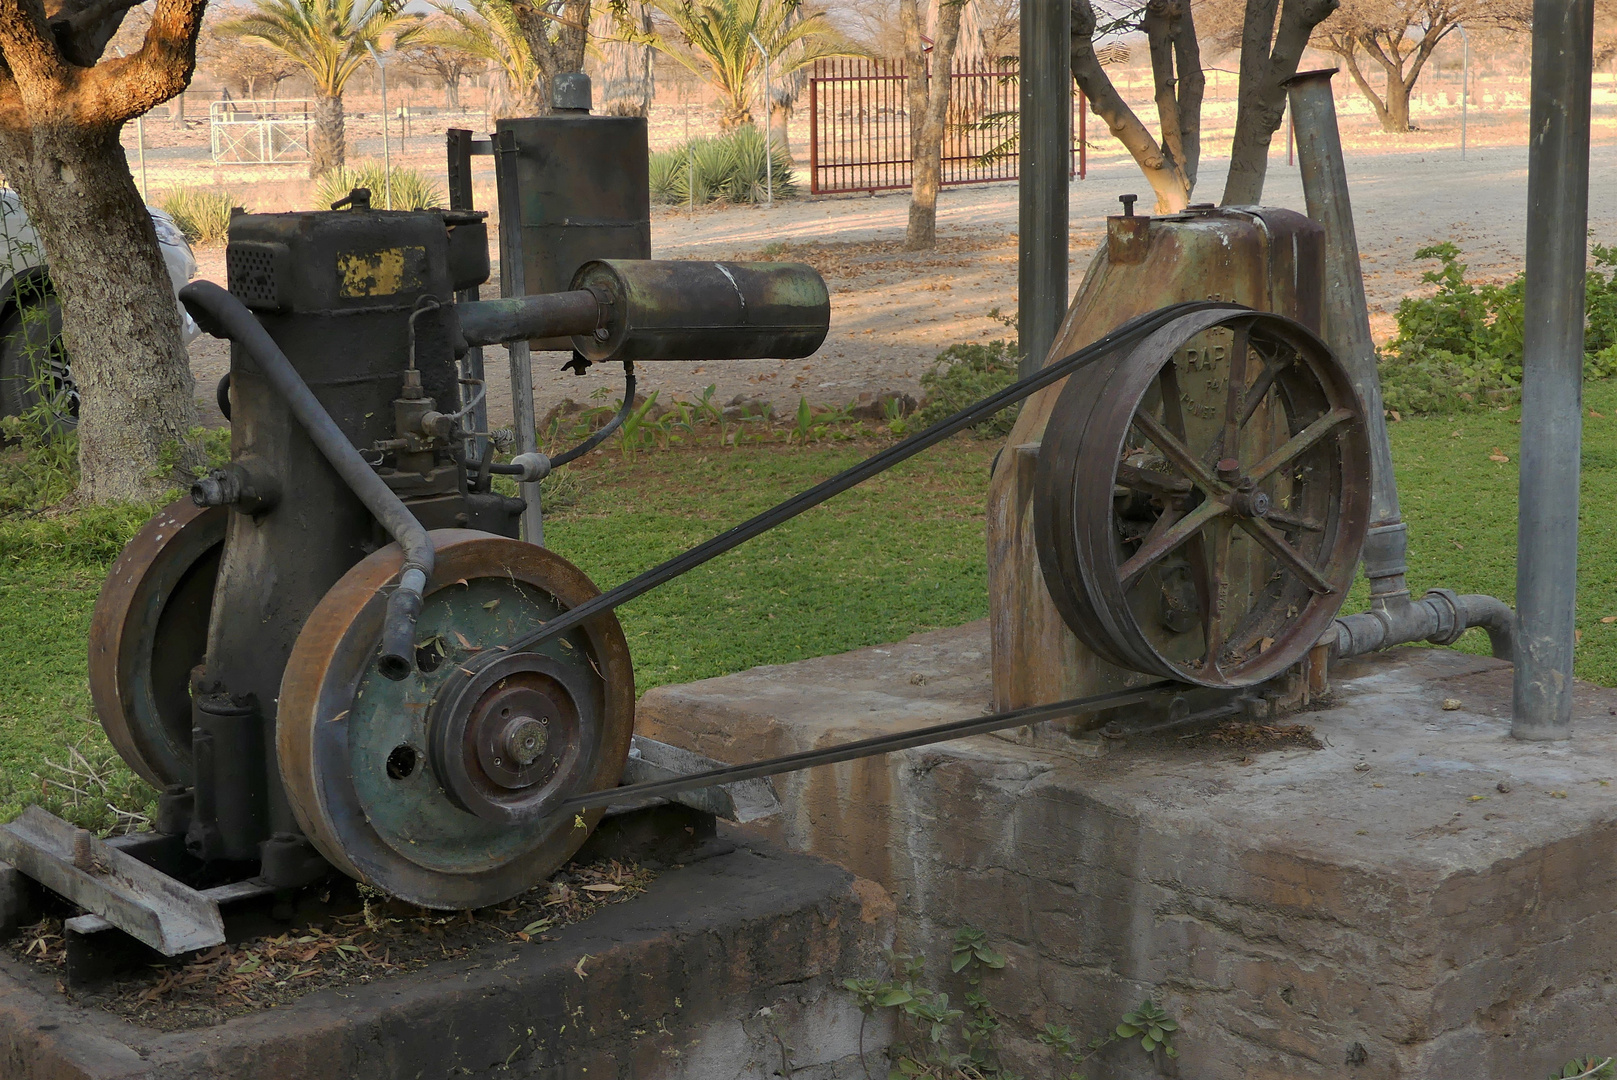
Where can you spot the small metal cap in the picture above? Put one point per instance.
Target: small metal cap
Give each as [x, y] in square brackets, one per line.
[570, 92]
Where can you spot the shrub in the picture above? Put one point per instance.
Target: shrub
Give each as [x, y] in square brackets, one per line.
[725, 169]
[203, 214]
[1461, 348]
[965, 374]
[411, 189]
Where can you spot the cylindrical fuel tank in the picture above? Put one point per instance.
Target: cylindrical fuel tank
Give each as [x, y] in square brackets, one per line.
[1267, 259]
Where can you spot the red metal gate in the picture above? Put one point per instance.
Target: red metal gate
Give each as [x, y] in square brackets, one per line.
[859, 131]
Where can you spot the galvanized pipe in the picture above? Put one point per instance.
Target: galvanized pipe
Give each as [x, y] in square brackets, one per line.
[1440, 617]
[1552, 366]
[495, 322]
[1347, 319]
[1394, 619]
[1046, 138]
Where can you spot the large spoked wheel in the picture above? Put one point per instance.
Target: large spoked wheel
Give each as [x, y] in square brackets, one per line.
[442, 788]
[149, 630]
[1202, 499]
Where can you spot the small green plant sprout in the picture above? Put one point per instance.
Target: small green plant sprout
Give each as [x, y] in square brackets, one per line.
[1153, 1027]
[1589, 1068]
[1149, 1023]
[970, 949]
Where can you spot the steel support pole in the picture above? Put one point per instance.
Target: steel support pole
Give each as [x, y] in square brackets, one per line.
[1552, 367]
[1046, 148]
[521, 357]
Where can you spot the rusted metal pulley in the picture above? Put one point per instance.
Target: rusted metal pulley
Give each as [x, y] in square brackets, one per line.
[441, 789]
[149, 630]
[1201, 499]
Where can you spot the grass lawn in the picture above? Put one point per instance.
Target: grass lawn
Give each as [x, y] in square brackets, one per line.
[903, 553]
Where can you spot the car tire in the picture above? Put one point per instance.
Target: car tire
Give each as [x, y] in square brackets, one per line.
[34, 368]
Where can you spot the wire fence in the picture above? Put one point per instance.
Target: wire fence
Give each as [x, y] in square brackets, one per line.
[859, 126]
[259, 132]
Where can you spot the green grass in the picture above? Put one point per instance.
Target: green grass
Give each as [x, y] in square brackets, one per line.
[901, 554]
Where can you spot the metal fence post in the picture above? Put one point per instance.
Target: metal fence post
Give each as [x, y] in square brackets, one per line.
[1552, 367]
[1046, 143]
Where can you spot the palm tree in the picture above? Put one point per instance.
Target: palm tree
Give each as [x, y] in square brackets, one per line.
[327, 38]
[716, 44]
[489, 31]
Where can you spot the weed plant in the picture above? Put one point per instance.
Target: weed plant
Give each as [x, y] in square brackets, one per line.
[412, 190]
[965, 374]
[724, 169]
[1461, 349]
[202, 214]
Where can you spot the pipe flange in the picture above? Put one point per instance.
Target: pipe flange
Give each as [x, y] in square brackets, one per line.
[1450, 620]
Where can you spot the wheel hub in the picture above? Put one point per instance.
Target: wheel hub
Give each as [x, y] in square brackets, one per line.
[508, 742]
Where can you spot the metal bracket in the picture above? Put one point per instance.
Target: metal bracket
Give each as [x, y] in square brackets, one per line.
[145, 903]
[741, 801]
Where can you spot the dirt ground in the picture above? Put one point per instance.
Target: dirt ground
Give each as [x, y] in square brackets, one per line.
[893, 311]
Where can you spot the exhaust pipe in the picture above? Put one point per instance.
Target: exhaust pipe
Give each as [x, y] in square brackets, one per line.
[1394, 619]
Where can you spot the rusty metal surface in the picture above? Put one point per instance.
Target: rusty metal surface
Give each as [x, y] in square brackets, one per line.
[1201, 500]
[148, 631]
[340, 725]
[145, 903]
[677, 310]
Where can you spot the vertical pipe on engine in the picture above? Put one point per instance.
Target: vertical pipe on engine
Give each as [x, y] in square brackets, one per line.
[1347, 319]
[1045, 150]
[1552, 367]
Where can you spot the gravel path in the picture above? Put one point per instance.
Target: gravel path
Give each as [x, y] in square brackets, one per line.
[893, 311]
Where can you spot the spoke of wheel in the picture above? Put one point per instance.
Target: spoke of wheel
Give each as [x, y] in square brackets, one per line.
[1264, 533]
[1164, 522]
[1154, 550]
[1214, 566]
[1299, 444]
[1176, 452]
[1156, 483]
[1235, 393]
[1173, 413]
[1294, 521]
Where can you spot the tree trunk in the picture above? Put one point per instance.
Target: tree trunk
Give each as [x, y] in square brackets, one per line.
[452, 93]
[1350, 60]
[1262, 96]
[928, 109]
[1395, 117]
[328, 140]
[119, 318]
[557, 40]
[1166, 180]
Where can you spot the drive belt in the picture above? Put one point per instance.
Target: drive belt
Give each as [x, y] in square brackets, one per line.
[881, 744]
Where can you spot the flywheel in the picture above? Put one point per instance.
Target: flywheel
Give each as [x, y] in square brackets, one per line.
[441, 788]
[149, 630]
[1202, 498]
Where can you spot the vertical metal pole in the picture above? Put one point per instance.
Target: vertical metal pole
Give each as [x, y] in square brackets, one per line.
[1552, 367]
[459, 153]
[1312, 104]
[1046, 142]
[514, 275]
[387, 157]
[1465, 86]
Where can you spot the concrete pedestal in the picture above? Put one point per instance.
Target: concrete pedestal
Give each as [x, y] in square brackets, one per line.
[1419, 897]
[673, 989]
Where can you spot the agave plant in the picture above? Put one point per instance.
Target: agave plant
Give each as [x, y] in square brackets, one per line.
[726, 169]
[411, 189]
